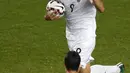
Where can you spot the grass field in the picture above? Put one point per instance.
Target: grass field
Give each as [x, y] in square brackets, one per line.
[29, 44]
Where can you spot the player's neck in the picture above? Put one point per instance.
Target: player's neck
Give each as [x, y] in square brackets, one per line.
[72, 72]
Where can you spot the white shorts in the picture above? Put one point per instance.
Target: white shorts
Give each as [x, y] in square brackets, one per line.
[82, 35]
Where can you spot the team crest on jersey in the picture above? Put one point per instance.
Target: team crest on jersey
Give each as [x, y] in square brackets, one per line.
[78, 0]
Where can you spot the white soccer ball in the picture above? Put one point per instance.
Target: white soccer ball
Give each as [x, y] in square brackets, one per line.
[57, 6]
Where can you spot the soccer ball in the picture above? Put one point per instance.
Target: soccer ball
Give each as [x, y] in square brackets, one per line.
[56, 7]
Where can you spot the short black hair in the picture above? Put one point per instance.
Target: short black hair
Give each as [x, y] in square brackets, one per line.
[72, 61]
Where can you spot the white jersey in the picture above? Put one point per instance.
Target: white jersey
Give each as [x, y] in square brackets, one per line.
[79, 9]
[80, 27]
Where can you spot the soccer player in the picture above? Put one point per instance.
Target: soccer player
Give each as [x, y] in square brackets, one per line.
[72, 64]
[81, 27]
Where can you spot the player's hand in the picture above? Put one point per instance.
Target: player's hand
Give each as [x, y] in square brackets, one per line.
[52, 15]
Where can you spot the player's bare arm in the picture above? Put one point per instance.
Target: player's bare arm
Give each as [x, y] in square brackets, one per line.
[99, 5]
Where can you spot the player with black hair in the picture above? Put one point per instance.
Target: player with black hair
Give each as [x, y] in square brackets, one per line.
[72, 61]
[72, 64]
[80, 16]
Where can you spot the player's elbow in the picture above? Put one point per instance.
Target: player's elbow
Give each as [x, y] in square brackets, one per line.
[102, 10]
[99, 5]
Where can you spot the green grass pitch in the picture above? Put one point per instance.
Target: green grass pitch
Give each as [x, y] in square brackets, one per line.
[29, 44]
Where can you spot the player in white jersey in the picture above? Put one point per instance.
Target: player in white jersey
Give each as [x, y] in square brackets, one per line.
[72, 63]
[81, 27]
